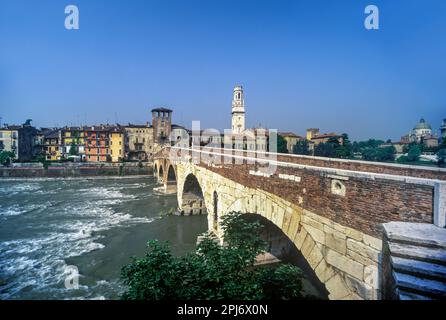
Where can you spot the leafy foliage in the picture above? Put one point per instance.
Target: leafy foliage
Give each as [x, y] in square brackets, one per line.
[213, 271]
[333, 148]
[73, 149]
[301, 147]
[413, 154]
[381, 154]
[281, 144]
[6, 157]
[441, 155]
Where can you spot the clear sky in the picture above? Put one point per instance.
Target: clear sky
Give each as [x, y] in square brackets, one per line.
[303, 63]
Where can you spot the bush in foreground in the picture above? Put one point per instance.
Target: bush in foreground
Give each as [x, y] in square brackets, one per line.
[213, 271]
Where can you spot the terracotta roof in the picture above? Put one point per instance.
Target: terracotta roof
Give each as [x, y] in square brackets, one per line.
[326, 135]
[289, 134]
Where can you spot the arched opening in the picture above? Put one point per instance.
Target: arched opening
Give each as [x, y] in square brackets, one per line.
[193, 200]
[215, 201]
[171, 177]
[155, 171]
[282, 250]
[161, 175]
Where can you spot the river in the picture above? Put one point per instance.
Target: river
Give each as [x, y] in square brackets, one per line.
[96, 225]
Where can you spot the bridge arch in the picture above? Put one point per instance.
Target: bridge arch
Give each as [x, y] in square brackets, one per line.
[281, 248]
[161, 174]
[192, 196]
[311, 253]
[171, 174]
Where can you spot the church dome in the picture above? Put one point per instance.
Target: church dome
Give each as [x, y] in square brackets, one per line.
[422, 125]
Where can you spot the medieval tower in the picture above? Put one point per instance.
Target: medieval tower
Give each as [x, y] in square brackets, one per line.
[238, 111]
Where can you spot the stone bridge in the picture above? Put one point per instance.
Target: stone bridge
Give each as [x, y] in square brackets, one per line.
[329, 210]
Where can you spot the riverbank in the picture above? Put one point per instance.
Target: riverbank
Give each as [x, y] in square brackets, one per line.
[64, 170]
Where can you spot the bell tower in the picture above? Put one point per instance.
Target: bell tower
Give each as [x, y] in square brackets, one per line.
[238, 110]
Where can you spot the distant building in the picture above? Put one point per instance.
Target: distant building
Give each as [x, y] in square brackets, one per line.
[72, 137]
[314, 138]
[292, 139]
[53, 144]
[312, 132]
[139, 143]
[430, 141]
[117, 145]
[238, 111]
[9, 140]
[20, 140]
[97, 143]
[162, 126]
[422, 133]
[421, 130]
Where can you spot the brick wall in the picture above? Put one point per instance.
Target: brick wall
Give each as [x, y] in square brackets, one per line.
[366, 205]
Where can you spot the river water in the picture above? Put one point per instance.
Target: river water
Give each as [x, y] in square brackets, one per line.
[96, 225]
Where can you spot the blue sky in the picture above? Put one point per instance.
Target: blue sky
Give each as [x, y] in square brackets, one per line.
[302, 63]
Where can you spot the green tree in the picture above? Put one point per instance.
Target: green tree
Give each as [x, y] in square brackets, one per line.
[385, 154]
[324, 149]
[213, 271]
[281, 144]
[73, 149]
[414, 153]
[301, 147]
[441, 155]
[343, 150]
[6, 157]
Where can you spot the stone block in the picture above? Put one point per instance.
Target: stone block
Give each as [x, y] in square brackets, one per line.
[354, 234]
[337, 288]
[324, 271]
[315, 257]
[363, 250]
[312, 222]
[299, 237]
[371, 276]
[307, 246]
[294, 223]
[373, 242]
[280, 216]
[335, 243]
[318, 235]
[359, 258]
[345, 264]
[359, 287]
[318, 217]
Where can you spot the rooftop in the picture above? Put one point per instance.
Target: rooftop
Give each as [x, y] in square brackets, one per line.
[162, 109]
[422, 125]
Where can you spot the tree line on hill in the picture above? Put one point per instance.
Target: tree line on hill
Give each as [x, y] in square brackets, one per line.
[370, 150]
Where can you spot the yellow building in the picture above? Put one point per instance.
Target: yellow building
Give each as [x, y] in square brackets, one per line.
[291, 140]
[70, 135]
[9, 140]
[116, 144]
[53, 147]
